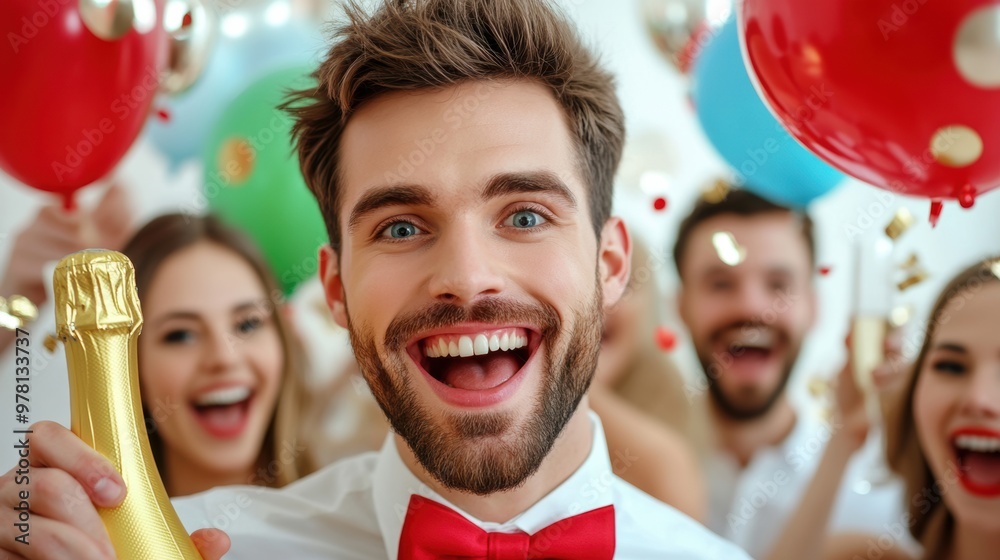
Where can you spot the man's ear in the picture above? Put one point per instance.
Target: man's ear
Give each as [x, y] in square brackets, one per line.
[329, 275]
[614, 260]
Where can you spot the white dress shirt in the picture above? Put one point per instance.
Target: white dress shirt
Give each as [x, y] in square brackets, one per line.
[354, 510]
[751, 506]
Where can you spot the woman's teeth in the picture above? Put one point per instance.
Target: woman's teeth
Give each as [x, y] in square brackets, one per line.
[473, 345]
[223, 397]
[980, 444]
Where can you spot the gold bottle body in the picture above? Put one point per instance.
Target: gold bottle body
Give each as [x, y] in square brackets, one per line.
[98, 319]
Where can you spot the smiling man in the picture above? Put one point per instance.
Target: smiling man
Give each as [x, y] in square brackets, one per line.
[462, 153]
[748, 299]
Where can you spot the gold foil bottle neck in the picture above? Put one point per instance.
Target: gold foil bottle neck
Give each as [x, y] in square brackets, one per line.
[98, 318]
[96, 291]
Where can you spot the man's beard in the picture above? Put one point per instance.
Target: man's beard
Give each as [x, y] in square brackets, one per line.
[747, 404]
[455, 450]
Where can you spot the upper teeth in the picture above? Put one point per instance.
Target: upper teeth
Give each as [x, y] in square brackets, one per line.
[753, 338]
[475, 344]
[982, 444]
[221, 397]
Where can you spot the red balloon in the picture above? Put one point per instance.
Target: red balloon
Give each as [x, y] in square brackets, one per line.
[72, 103]
[901, 94]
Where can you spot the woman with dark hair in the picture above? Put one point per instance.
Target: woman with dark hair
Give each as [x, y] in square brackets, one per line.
[219, 366]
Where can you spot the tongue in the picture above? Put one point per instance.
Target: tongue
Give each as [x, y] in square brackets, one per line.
[479, 373]
[982, 469]
[222, 417]
[750, 363]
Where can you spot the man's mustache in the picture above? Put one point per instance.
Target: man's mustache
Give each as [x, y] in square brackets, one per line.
[499, 311]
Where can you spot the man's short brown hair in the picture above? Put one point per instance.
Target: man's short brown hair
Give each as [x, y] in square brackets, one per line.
[740, 203]
[409, 45]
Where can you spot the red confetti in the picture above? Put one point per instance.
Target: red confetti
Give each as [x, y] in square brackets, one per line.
[659, 203]
[665, 339]
[163, 115]
[186, 22]
[936, 206]
[824, 270]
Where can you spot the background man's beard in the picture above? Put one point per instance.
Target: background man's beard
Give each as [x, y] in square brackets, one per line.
[746, 407]
[740, 410]
[456, 451]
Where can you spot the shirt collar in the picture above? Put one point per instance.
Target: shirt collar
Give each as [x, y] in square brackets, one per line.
[589, 487]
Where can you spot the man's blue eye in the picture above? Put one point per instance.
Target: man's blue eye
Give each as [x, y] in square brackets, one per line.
[526, 219]
[402, 230]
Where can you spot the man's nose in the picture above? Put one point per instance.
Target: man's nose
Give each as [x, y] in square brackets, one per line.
[752, 301]
[466, 266]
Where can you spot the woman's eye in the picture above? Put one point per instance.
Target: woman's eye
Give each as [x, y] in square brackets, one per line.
[178, 336]
[401, 230]
[949, 366]
[525, 219]
[249, 325]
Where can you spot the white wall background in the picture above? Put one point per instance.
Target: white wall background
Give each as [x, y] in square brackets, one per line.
[653, 95]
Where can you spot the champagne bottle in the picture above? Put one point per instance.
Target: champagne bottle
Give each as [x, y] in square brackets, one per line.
[98, 319]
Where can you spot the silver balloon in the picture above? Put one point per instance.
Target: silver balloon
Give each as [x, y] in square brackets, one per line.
[112, 19]
[673, 24]
[192, 29]
[977, 47]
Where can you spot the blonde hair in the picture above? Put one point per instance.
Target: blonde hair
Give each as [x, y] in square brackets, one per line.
[652, 382]
[931, 523]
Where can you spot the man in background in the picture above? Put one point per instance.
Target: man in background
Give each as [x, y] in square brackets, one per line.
[748, 298]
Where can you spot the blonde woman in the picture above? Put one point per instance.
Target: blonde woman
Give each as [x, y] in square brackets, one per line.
[653, 430]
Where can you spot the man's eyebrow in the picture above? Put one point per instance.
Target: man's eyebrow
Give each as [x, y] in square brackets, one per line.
[528, 182]
[388, 196]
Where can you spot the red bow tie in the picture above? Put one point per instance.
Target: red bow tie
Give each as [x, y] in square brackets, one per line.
[432, 531]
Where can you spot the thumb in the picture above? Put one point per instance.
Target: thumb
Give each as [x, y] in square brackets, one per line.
[211, 543]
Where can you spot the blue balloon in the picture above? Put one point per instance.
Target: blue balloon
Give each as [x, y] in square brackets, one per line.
[234, 64]
[766, 159]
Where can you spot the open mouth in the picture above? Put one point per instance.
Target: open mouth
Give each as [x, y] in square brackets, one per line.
[223, 413]
[977, 452]
[478, 363]
[749, 350]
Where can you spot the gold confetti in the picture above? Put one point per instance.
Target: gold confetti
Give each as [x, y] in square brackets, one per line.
[910, 263]
[50, 343]
[818, 387]
[900, 223]
[717, 192]
[16, 311]
[728, 250]
[912, 280]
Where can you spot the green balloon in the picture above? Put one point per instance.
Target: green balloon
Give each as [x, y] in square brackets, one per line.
[253, 180]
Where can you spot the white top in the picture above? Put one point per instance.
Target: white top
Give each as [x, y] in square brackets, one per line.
[750, 507]
[354, 510]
